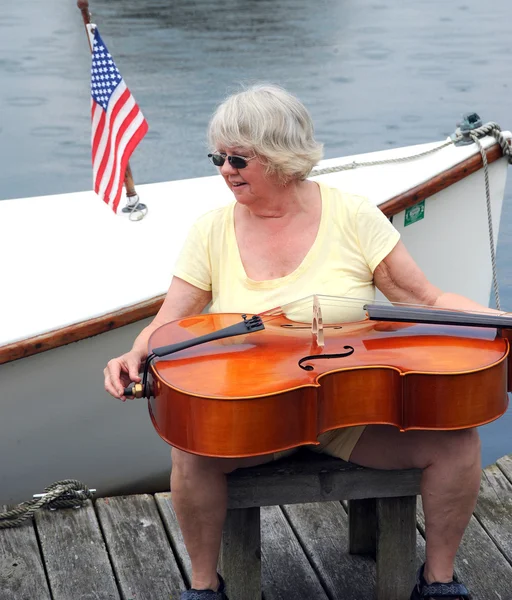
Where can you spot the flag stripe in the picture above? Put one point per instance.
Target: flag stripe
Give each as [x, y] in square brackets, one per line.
[115, 121]
[120, 144]
[130, 147]
[118, 125]
[98, 124]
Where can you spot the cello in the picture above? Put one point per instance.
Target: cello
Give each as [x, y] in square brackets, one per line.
[232, 386]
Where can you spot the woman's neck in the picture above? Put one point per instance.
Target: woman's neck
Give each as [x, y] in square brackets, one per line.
[286, 203]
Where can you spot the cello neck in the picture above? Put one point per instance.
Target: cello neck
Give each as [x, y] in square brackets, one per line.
[412, 314]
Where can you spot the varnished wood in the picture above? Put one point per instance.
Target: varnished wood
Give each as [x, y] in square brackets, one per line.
[247, 395]
[440, 182]
[80, 331]
[133, 313]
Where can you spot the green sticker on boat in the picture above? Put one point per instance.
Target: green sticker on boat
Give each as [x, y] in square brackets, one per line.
[414, 213]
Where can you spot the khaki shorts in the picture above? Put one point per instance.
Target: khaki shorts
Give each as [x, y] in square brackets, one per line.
[338, 443]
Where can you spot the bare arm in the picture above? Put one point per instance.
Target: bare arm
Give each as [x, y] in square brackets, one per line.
[400, 279]
[182, 299]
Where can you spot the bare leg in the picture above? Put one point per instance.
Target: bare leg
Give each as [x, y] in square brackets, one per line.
[449, 486]
[199, 497]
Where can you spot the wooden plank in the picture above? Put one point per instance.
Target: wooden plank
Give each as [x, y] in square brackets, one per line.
[494, 508]
[323, 533]
[22, 575]
[362, 528]
[71, 543]
[310, 477]
[74, 554]
[479, 564]
[140, 552]
[420, 540]
[396, 547]
[170, 521]
[286, 572]
[505, 464]
[241, 553]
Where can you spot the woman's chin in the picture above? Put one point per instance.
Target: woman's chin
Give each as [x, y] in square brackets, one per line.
[241, 192]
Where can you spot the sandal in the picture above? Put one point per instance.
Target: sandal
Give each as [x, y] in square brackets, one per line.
[193, 594]
[453, 589]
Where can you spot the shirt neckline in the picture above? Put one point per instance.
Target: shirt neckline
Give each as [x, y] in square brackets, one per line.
[306, 261]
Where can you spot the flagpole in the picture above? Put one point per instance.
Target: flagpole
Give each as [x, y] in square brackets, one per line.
[132, 203]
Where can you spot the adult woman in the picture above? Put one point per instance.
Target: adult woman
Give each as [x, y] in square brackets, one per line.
[282, 239]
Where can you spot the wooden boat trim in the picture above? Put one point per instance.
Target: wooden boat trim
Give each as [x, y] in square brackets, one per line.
[439, 182]
[80, 331]
[148, 308]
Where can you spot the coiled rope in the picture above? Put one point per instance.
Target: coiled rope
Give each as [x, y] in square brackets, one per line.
[68, 493]
[490, 128]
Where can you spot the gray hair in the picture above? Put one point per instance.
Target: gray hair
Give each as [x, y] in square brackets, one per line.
[274, 124]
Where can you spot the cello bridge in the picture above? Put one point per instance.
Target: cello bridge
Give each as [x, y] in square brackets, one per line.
[317, 327]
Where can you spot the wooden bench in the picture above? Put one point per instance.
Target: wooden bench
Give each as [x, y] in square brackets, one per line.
[382, 517]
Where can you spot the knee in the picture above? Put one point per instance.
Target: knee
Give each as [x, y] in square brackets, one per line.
[189, 465]
[463, 447]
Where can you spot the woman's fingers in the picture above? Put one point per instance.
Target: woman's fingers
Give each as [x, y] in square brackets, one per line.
[113, 378]
[119, 373]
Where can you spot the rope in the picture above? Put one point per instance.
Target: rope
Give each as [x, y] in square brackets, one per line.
[490, 128]
[373, 163]
[68, 493]
[494, 130]
[136, 209]
[489, 220]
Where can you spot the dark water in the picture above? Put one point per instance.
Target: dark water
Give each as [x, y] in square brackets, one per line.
[374, 74]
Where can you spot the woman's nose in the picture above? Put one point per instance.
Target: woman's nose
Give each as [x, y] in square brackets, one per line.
[227, 168]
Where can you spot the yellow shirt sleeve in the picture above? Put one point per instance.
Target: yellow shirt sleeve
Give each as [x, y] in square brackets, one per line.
[375, 234]
[194, 261]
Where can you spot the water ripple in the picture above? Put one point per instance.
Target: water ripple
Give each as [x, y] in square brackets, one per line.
[10, 66]
[51, 131]
[26, 101]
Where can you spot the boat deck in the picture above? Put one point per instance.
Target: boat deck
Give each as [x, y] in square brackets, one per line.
[130, 548]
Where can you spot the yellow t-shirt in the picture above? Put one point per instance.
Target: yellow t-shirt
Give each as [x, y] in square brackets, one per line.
[353, 238]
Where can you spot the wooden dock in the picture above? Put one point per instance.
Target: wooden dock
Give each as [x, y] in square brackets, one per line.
[130, 548]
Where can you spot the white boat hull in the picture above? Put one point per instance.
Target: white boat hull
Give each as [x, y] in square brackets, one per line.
[58, 422]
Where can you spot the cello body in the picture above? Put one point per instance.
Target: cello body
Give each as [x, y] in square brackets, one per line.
[248, 395]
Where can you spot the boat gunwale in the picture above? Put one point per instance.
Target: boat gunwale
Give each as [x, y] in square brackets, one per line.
[148, 308]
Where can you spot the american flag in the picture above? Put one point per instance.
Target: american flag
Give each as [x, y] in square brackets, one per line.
[118, 125]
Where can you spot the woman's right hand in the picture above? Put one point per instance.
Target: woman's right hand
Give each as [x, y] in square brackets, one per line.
[122, 371]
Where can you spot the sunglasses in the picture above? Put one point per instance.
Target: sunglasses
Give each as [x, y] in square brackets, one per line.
[237, 162]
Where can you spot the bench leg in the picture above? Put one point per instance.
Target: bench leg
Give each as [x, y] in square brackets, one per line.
[362, 526]
[396, 547]
[240, 556]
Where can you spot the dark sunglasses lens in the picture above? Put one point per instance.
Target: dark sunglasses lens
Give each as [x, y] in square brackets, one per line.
[237, 162]
[217, 159]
